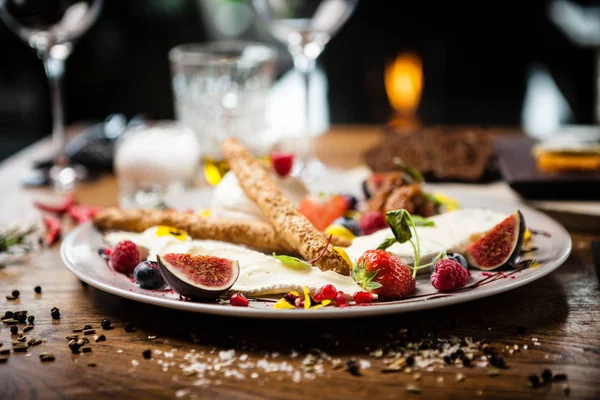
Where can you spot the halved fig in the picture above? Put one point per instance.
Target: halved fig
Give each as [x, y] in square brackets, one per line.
[198, 277]
[501, 245]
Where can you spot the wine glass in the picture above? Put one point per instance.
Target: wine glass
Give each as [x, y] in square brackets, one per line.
[305, 27]
[50, 27]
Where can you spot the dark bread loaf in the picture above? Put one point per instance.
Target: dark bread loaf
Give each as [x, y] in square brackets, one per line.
[461, 154]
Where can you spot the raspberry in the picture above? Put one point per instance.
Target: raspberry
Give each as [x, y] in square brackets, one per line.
[371, 221]
[124, 257]
[449, 275]
[282, 163]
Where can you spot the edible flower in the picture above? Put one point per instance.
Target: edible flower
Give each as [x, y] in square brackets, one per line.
[204, 213]
[441, 200]
[178, 234]
[339, 231]
[344, 255]
[527, 235]
[310, 302]
[293, 300]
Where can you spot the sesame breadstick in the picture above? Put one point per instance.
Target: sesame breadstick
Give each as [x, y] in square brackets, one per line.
[256, 234]
[286, 219]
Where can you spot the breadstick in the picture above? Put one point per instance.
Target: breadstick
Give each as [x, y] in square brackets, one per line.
[286, 219]
[259, 235]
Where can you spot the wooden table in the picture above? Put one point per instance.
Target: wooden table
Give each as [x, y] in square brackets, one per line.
[561, 313]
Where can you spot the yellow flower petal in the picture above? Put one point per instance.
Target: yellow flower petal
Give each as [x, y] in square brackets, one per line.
[322, 304]
[344, 255]
[164, 230]
[204, 213]
[282, 304]
[307, 299]
[339, 231]
[450, 203]
[527, 236]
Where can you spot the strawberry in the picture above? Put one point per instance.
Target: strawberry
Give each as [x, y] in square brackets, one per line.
[322, 210]
[282, 162]
[383, 274]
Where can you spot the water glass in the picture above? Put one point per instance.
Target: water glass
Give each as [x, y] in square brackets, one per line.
[220, 90]
[152, 161]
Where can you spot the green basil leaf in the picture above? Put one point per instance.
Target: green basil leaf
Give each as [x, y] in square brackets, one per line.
[436, 202]
[399, 223]
[291, 262]
[387, 243]
[413, 172]
[420, 221]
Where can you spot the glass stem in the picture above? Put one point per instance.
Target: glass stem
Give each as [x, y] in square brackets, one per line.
[55, 68]
[306, 66]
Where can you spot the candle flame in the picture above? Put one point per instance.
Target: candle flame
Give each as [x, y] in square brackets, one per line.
[404, 83]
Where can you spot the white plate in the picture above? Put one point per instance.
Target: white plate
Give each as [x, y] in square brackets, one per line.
[79, 252]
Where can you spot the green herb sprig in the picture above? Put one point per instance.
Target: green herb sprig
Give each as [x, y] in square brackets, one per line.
[404, 228]
[413, 174]
[16, 240]
[291, 262]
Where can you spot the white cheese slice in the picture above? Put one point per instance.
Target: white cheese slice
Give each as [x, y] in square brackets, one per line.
[452, 231]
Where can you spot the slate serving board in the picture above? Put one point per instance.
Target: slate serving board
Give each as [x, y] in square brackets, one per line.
[518, 167]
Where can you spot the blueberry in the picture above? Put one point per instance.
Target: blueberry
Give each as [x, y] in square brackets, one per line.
[352, 201]
[365, 187]
[349, 223]
[459, 259]
[148, 276]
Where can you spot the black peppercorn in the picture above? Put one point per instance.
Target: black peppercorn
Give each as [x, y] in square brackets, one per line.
[353, 367]
[74, 347]
[447, 360]
[147, 354]
[547, 375]
[521, 330]
[129, 328]
[37, 289]
[85, 328]
[8, 314]
[534, 381]
[105, 324]
[16, 293]
[559, 377]
[31, 318]
[55, 313]
[454, 355]
[410, 361]
[14, 329]
[460, 352]
[22, 317]
[466, 361]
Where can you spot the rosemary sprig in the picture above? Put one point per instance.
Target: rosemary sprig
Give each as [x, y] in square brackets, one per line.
[16, 240]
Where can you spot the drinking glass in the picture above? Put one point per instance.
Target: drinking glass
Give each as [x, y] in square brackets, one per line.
[220, 90]
[153, 160]
[305, 27]
[50, 27]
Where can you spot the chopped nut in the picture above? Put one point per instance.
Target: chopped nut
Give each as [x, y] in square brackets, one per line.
[413, 389]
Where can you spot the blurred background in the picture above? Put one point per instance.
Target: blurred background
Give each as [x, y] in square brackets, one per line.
[505, 63]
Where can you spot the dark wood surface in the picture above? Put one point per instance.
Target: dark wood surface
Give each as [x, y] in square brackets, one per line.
[561, 311]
